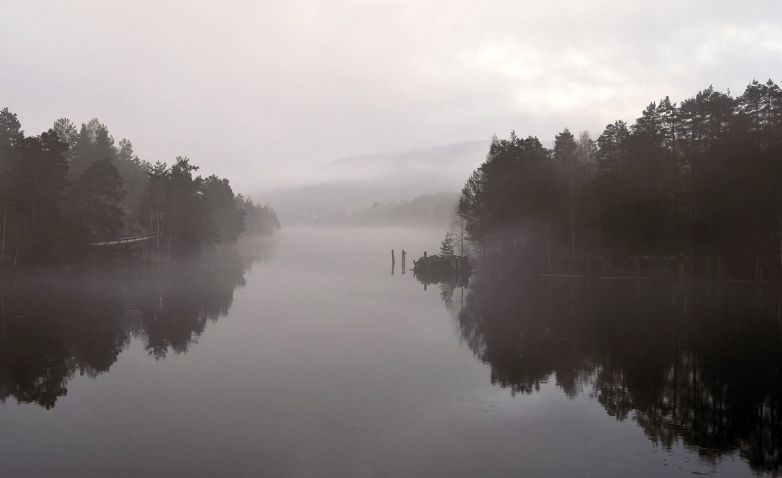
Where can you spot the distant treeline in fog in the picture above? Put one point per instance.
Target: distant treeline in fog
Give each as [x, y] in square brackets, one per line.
[697, 186]
[69, 187]
[425, 210]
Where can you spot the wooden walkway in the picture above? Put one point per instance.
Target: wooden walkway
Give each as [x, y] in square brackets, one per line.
[124, 241]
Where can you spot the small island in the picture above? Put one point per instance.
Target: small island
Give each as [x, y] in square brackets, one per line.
[445, 267]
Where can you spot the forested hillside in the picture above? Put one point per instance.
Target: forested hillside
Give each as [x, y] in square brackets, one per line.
[695, 185]
[69, 187]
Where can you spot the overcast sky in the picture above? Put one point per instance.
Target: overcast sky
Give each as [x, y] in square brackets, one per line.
[260, 92]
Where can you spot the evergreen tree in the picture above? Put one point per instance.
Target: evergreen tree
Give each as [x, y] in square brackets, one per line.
[37, 183]
[700, 181]
[112, 193]
[96, 198]
[93, 143]
[226, 216]
[258, 219]
[134, 174]
[565, 155]
[446, 247]
[11, 137]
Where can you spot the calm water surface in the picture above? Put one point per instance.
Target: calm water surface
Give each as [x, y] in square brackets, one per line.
[304, 356]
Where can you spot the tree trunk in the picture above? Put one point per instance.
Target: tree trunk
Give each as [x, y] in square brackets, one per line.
[5, 216]
[461, 234]
[2, 311]
[572, 238]
[572, 216]
[170, 234]
[548, 247]
[779, 239]
[16, 255]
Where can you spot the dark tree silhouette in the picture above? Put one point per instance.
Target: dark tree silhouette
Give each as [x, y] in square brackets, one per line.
[66, 188]
[226, 213]
[694, 188]
[95, 200]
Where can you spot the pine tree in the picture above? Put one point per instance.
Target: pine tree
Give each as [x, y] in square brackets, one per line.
[96, 199]
[446, 247]
[227, 217]
[37, 180]
[565, 154]
[11, 136]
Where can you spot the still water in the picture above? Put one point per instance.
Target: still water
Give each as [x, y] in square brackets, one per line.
[305, 356]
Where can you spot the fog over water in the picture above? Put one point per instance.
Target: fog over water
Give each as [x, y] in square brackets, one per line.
[305, 356]
[390, 238]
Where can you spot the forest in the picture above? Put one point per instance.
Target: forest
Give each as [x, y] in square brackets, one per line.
[68, 188]
[688, 189]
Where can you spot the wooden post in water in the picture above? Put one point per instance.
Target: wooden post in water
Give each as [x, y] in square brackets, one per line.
[404, 254]
[393, 262]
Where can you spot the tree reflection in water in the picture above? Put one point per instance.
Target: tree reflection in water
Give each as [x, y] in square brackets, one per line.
[698, 363]
[54, 325]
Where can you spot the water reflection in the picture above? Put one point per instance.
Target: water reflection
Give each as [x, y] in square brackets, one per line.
[447, 281]
[55, 325]
[696, 363]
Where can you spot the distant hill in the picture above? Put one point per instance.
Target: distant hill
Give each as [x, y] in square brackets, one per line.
[435, 210]
[355, 183]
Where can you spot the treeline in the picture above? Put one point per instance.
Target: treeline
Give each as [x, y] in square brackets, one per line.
[693, 188]
[433, 210]
[68, 187]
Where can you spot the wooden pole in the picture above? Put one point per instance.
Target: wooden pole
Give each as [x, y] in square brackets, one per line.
[393, 262]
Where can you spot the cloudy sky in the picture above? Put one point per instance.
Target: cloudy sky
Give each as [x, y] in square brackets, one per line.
[261, 92]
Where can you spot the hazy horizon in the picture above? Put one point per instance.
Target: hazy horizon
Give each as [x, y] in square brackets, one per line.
[262, 94]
